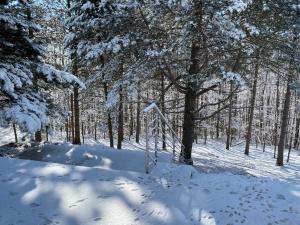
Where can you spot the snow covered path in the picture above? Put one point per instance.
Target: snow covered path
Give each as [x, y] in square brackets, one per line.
[45, 193]
[214, 158]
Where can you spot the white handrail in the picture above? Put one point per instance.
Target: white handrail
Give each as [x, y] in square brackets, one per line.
[158, 116]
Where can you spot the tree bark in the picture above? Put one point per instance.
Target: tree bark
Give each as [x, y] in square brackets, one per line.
[228, 131]
[120, 121]
[76, 117]
[109, 121]
[131, 121]
[252, 105]
[138, 122]
[162, 106]
[15, 133]
[72, 117]
[276, 118]
[296, 142]
[284, 123]
[188, 126]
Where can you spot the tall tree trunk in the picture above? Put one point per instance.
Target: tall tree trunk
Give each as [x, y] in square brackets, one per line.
[188, 126]
[228, 131]
[82, 131]
[131, 121]
[284, 124]
[276, 118]
[72, 117]
[95, 131]
[15, 133]
[138, 122]
[109, 121]
[120, 121]
[252, 105]
[67, 129]
[162, 106]
[296, 141]
[218, 118]
[76, 117]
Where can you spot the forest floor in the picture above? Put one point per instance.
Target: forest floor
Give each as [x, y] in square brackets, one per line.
[94, 184]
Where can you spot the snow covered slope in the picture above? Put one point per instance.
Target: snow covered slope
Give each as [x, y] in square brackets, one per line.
[39, 193]
[98, 155]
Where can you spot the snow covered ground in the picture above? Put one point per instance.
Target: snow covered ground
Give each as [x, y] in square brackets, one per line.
[224, 187]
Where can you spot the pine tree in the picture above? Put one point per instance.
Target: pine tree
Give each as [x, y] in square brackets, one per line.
[23, 74]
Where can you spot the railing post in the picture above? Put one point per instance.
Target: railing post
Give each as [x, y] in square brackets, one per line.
[147, 145]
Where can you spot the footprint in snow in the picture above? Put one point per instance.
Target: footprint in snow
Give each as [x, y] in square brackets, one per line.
[206, 191]
[97, 219]
[13, 193]
[280, 197]
[103, 196]
[34, 205]
[81, 200]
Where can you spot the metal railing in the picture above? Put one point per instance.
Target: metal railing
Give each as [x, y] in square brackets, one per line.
[159, 131]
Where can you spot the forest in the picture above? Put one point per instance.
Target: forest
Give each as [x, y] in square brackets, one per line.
[188, 90]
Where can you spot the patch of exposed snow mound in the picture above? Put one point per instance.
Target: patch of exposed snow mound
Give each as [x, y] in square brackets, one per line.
[174, 171]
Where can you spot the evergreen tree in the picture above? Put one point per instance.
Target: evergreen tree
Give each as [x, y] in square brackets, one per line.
[24, 77]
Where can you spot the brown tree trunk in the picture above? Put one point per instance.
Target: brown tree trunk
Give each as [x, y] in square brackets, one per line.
[162, 106]
[76, 117]
[228, 131]
[82, 132]
[188, 125]
[296, 142]
[67, 129]
[284, 124]
[252, 105]
[276, 118]
[15, 133]
[72, 117]
[95, 131]
[138, 122]
[120, 121]
[131, 121]
[109, 121]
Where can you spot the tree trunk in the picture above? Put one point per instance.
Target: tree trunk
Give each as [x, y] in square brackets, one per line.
[188, 126]
[82, 132]
[120, 121]
[109, 122]
[290, 148]
[252, 105]
[131, 121]
[218, 118]
[138, 122]
[47, 133]
[284, 124]
[95, 131]
[76, 117]
[276, 118]
[162, 106]
[72, 118]
[67, 129]
[15, 133]
[229, 118]
[296, 142]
